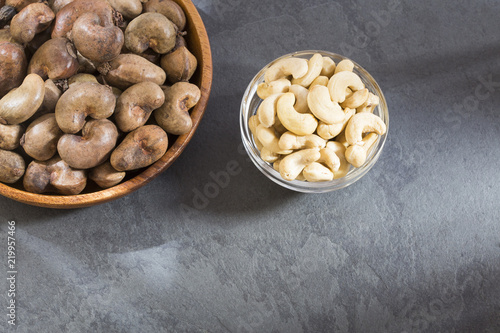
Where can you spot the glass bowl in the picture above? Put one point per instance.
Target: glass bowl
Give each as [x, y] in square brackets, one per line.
[251, 102]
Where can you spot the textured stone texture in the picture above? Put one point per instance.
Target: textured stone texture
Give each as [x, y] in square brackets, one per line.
[412, 247]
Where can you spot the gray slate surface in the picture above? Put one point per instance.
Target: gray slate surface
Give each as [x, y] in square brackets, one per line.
[412, 247]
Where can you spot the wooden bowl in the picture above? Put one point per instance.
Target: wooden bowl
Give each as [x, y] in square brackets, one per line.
[199, 45]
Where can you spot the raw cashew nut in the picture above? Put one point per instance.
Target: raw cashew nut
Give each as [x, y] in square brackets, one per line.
[370, 104]
[297, 67]
[278, 126]
[40, 139]
[328, 132]
[90, 149]
[300, 93]
[78, 102]
[140, 148]
[339, 150]
[264, 90]
[12, 166]
[290, 141]
[298, 123]
[328, 67]
[267, 110]
[362, 123]
[130, 9]
[341, 139]
[106, 176]
[270, 140]
[323, 107]
[54, 175]
[357, 99]
[320, 81]
[315, 65]
[95, 41]
[173, 116]
[10, 136]
[292, 165]
[330, 159]
[55, 59]
[81, 78]
[342, 80]
[21, 103]
[169, 9]
[345, 65]
[31, 20]
[268, 156]
[150, 30]
[50, 98]
[135, 105]
[13, 64]
[317, 172]
[179, 65]
[357, 153]
[57, 5]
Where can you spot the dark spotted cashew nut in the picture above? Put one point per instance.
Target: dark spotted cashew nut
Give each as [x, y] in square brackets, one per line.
[106, 176]
[12, 166]
[173, 116]
[55, 59]
[40, 139]
[150, 30]
[30, 21]
[134, 106]
[54, 175]
[81, 101]
[169, 9]
[140, 148]
[91, 148]
[10, 136]
[13, 64]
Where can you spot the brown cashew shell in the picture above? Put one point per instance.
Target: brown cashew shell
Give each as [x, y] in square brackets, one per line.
[106, 176]
[54, 175]
[5, 36]
[179, 65]
[134, 106]
[55, 59]
[57, 5]
[150, 30]
[88, 35]
[67, 16]
[129, 69]
[20, 4]
[41, 137]
[140, 148]
[12, 166]
[10, 136]
[13, 65]
[130, 9]
[169, 9]
[90, 149]
[30, 21]
[173, 116]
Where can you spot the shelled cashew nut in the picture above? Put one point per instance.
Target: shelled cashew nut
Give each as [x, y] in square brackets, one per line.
[357, 99]
[298, 123]
[289, 140]
[345, 65]
[296, 67]
[328, 132]
[330, 159]
[270, 140]
[323, 107]
[267, 110]
[278, 126]
[253, 122]
[265, 90]
[317, 172]
[356, 154]
[369, 105]
[300, 93]
[341, 139]
[362, 123]
[292, 165]
[328, 67]
[315, 65]
[340, 82]
[339, 150]
[320, 81]
[268, 156]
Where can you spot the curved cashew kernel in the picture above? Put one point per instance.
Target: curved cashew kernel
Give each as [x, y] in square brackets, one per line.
[339, 150]
[328, 132]
[362, 123]
[330, 159]
[267, 110]
[292, 165]
[298, 123]
[300, 93]
[317, 172]
[296, 67]
[78, 102]
[348, 92]
[12, 166]
[315, 65]
[265, 90]
[320, 81]
[31, 20]
[268, 156]
[54, 175]
[276, 164]
[341, 139]
[21, 103]
[323, 107]
[370, 104]
[81, 78]
[106, 176]
[150, 30]
[270, 140]
[340, 81]
[278, 126]
[357, 154]
[130, 9]
[328, 67]
[253, 122]
[357, 99]
[40, 139]
[10, 136]
[291, 141]
[345, 65]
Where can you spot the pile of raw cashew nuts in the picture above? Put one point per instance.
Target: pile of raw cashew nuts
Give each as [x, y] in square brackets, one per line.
[79, 81]
[316, 119]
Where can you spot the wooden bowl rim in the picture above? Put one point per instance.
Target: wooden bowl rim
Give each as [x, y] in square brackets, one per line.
[199, 33]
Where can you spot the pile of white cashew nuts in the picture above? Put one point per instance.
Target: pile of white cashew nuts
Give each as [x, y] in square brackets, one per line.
[316, 119]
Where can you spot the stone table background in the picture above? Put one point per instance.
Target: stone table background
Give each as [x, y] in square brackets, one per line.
[414, 246]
